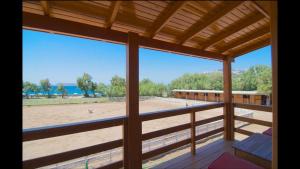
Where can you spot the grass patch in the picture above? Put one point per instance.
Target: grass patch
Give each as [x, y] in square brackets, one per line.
[57, 101]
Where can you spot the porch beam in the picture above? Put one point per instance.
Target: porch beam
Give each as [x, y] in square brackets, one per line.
[164, 17]
[250, 48]
[133, 142]
[259, 6]
[232, 30]
[274, 50]
[45, 6]
[211, 17]
[228, 106]
[113, 15]
[70, 28]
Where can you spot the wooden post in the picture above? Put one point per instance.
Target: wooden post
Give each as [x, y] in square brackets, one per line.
[134, 142]
[193, 133]
[274, 84]
[125, 142]
[228, 108]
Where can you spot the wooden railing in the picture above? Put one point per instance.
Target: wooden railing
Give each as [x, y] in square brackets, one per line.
[66, 129]
[251, 120]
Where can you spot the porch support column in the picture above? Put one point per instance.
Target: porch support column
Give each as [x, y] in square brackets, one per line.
[133, 147]
[274, 84]
[228, 107]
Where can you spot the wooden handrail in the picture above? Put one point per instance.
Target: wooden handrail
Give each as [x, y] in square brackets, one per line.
[178, 111]
[65, 129]
[245, 132]
[69, 155]
[255, 121]
[253, 107]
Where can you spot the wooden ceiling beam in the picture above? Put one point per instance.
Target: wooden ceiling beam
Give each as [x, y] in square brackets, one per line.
[251, 48]
[247, 38]
[232, 30]
[211, 17]
[164, 17]
[60, 26]
[261, 8]
[113, 14]
[45, 6]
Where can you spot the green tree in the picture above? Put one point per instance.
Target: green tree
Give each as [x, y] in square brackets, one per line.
[27, 88]
[93, 87]
[46, 86]
[117, 87]
[84, 83]
[62, 90]
[102, 88]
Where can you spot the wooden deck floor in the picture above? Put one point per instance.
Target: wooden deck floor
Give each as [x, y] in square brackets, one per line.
[204, 156]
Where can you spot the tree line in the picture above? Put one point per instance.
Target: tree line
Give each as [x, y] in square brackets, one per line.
[255, 78]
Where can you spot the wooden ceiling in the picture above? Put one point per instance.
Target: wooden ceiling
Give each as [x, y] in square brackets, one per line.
[228, 28]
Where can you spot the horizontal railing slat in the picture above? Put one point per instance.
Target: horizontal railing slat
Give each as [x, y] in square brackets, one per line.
[241, 131]
[69, 155]
[65, 129]
[253, 107]
[165, 149]
[178, 111]
[254, 121]
[115, 165]
[166, 131]
[210, 133]
[209, 120]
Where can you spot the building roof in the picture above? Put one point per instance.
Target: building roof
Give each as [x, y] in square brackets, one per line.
[209, 29]
[218, 91]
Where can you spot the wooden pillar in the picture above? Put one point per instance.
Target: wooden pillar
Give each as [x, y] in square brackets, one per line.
[193, 133]
[274, 84]
[228, 108]
[134, 129]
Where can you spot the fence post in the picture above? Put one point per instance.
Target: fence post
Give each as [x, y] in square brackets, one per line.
[193, 133]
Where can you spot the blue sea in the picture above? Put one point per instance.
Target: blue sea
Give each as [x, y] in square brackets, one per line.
[71, 90]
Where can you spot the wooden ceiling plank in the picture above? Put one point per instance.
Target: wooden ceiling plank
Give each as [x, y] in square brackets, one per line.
[45, 6]
[236, 27]
[70, 28]
[247, 38]
[251, 48]
[113, 15]
[164, 17]
[261, 9]
[212, 16]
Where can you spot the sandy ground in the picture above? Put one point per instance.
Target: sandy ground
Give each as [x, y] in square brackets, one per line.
[37, 116]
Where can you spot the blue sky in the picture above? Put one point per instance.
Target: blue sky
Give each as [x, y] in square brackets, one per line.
[62, 59]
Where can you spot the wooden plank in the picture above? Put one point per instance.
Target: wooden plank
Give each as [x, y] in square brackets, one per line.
[211, 17]
[247, 38]
[250, 48]
[258, 6]
[251, 158]
[166, 131]
[69, 155]
[70, 28]
[125, 142]
[45, 6]
[165, 149]
[242, 131]
[178, 111]
[134, 129]
[253, 107]
[164, 17]
[210, 133]
[209, 120]
[254, 121]
[274, 46]
[193, 133]
[228, 107]
[115, 165]
[71, 128]
[113, 15]
[237, 26]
